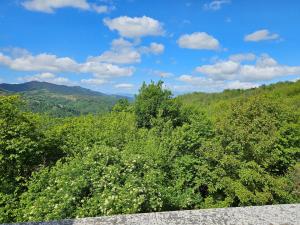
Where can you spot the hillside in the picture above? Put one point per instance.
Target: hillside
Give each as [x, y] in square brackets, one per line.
[61, 100]
[289, 92]
[151, 155]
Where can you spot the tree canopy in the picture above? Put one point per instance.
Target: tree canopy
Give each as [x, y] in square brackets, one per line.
[158, 153]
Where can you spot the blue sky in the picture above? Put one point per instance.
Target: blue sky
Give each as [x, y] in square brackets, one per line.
[113, 45]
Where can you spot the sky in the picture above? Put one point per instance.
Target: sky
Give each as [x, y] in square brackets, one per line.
[114, 46]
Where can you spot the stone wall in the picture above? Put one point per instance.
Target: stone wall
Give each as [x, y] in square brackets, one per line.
[257, 215]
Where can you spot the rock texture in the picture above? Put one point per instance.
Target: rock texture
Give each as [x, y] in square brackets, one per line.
[256, 215]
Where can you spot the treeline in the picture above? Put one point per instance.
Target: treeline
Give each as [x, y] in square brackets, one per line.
[156, 154]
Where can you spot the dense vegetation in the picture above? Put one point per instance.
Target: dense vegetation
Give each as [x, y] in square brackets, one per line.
[60, 100]
[236, 148]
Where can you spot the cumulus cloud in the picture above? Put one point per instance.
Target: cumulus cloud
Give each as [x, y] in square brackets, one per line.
[41, 62]
[153, 48]
[156, 48]
[15, 51]
[198, 40]
[208, 84]
[122, 52]
[265, 68]
[47, 77]
[261, 35]
[242, 57]
[51, 63]
[49, 6]
[93, 81]
[106, 70]
[135, 27]
[239, 71]
[125, 52]
[126, 86]
[122, 56]
[215, 5]
[224, 70]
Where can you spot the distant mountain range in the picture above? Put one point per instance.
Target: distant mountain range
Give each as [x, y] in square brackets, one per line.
[61, 100]
[61, 89]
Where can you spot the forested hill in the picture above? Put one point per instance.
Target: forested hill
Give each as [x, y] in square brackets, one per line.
[61, 100]
[60, 89]
[153, 154]
[289, 92]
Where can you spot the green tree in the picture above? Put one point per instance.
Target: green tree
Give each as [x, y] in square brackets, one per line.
[20, 152]
[249, 159]
[103, 182]
[155, 102]
[122, 105]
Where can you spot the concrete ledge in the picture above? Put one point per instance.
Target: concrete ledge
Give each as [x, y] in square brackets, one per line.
[256, 215]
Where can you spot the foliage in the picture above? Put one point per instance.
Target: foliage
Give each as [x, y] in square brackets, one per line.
[23, 149]
[153, 102]
[238, 148]
[61, 101]
[214, 103]
[20, 150]
[100, 183]
[255, 147]
[122, 105]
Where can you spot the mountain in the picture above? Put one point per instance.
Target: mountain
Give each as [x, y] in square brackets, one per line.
[60, 89]
[60, 100]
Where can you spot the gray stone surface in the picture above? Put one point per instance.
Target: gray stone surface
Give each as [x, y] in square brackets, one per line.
[257, 215]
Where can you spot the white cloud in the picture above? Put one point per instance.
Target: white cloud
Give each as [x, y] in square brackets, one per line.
[6, 60]
[208, 84]
[41, 62]
[47, 77]
[101, 8]
[51, 63]
[125, 52]
[265, 68]
[121, 43]
[122, 56]
[122, 52]
[43, 76]
[153, 48]
[240, 85]
[261, 35]
[125, 86]
[198, 40]
[156, 48]
[242, 57]
[15, 51]
[266, 61]
[162, 74]
[93, 81]
[106, 70]
[49, 6]
[221, 70]
[215, 5]
[135, 27]
[198, 81]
